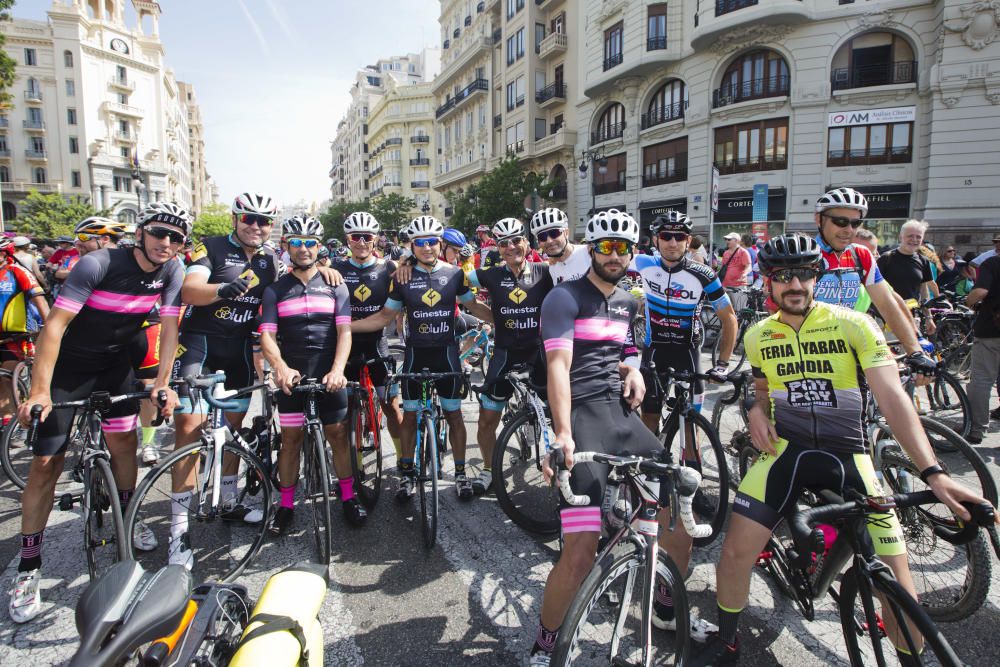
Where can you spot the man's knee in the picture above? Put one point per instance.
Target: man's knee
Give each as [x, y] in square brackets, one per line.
[577, 561]
[45, 470]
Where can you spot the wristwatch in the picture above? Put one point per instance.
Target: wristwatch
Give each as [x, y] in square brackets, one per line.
[935, 469]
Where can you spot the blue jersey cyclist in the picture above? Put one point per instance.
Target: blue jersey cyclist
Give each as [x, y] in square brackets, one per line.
[429, 300]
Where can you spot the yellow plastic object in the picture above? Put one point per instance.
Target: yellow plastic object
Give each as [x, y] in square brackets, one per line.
[297, 593]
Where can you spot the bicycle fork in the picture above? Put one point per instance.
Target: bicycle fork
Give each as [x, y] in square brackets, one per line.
[649, 527]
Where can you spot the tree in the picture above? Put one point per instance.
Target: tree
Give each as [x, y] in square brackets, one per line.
[7, 64]
[215, 220]
[501, 193]
[51, 215]
[393, 211]
[333, 217]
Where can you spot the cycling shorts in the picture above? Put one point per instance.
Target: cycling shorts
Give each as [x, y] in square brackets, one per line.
[144, 352]
[331, 408]
[610, 427]
[498, 389]
[71, 384]
[435, 360]
[375, 353]
[464, 322]
[773, 485]
[678, 357]
[198, 354]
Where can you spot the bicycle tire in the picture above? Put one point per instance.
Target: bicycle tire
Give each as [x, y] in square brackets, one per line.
[950, 403]
[739, 353]
[103, 527]
[867, 629]
[16, 457]
[427, 480]
[316, 492]
[22, 373]
[578, 645]
[366, 459]
[952, 581]
[521, 491]
[711, 325]
[730, 421]
[714, 486]
[222, 549]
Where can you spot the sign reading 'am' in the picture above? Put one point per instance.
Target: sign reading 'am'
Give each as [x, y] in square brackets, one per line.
[872, 116]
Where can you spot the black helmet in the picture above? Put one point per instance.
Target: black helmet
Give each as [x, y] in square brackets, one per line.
[788, 251]
[671, 221]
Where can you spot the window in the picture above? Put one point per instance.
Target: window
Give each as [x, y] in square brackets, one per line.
[656, 27]
[121, 74]
[125, 153]
[122, 98]
[71, 116]
[873, 59]
[74, 145]
[664, 163]
[870, 144]
[513, 7]
[122, 183]
[4, 175]
[123, 127]
[3, 143]
[70, 88]
[35, 116]
[611, 125]
[668, 103]
[613, 178]
[539, 128]
[75, 179]
[558, 23]
[38, 175]
[613, 46]
[68, 58]
[511, 50]
[756, 146]
[539, 36]
[755, 75]
[34, 89]
[30, 58]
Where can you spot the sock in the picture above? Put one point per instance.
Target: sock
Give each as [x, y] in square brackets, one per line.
[288, 496]
[728, 624]
[346, 489]
[907, 659]
[148, 434]
[179, 504]
[398, 447]
[664, 602]
[228, 488]
[406, 466]
[124, 495]
[459, 467]
[545, 642]
[31, 552]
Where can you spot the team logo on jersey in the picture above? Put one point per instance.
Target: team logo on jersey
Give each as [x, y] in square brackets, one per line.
[154, 284]
[620, 310]
[431, 297]
[442, 281]
[362, 293]
[373, 276]
[252, 276]
[518, 295]
[199, 252]
[811, 392]
[180, 350]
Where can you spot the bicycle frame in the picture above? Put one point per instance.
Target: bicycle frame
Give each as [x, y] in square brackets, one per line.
[481, 342]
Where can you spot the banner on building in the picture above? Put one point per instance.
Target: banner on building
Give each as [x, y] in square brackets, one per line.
[872, 116]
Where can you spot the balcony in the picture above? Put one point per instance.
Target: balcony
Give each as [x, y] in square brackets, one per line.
[717, 22]
[881, 74]
[755, 89]
[657, 43]
[551, 94]
[516, 147]
[34, 125]
[461, 96]
[677, 175]
[125, 137]
[555, 43]
[41, 156]
[375, 172]
[481, 7]
[417, 185]
[420, 139]
[662, 114]
[559, 192]
[755, 163]
[4, 152]
[122, 109]
[608, 188]
[865, 157]
[497, 36]
[476, 168]
[559, 139]
[4, 122]
[726, 6]
[420, 162]
[394, 141]
[33, 96]
[607, 133]
[497, 121]
[121, 83]
[474, 46]
[613, 61]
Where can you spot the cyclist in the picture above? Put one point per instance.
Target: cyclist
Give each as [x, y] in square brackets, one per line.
[20, 295]
[550, 227]
[368, 279]
[93, 233]
[594, 386]
[428, 299]
[486, 244]
[811, 362]
[82, 349]
[305, 332]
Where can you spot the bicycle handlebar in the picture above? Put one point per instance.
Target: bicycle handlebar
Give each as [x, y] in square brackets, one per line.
[207, 382]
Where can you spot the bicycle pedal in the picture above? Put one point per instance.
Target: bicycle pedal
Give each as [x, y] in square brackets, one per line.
[66, 502]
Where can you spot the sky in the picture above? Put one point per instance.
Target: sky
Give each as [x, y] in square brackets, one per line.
[273, 78]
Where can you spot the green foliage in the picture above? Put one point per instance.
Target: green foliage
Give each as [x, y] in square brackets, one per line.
[393, 211]
[333, 217]
[215, 220]
[47, 216]
[498, 194]
[7, 64]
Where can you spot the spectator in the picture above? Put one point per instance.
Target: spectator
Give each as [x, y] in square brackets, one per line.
[985, 297]
[24, 257]
[978, 261]
[48, 249]
[907, 271]
[868, 239]
[749, 244]
[966, 278]
[736, 262]
[950, 269]
[696, 251]
[936, 268]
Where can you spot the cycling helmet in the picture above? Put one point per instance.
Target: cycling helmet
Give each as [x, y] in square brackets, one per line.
[843, 198]
[426, 225]
[342, 252]
[454, 237]
[255, 203]
[100, 227]
[404, 234]
[671, 221]
[468, 250]
[63, 239]
[333, 243]
[548, 218]
[324, 253]
[302, 225]
[169, 213]
[6, 245]
[508, 228]
[361, 222]
[612, 224]
[483, 228]
[787, 251]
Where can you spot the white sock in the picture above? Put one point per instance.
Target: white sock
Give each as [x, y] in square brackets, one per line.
[179, 504]
[228, 488]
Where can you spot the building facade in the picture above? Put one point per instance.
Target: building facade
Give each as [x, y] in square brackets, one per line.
[900, 100]
[201, 187]
[96, 113]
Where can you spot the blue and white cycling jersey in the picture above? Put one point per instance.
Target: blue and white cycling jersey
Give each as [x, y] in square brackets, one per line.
[674, 298]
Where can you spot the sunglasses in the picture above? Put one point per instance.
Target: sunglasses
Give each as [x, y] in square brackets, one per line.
[83, 238]
[607, 246]
[298, 243]
[426, 242]
[360, 238]
[253, 219]
[163, 233]
[506, 243]
[673, 236]
[803, 273]
[549, 235]
[843, 222]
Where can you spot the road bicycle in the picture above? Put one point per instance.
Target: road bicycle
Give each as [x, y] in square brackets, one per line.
[480, 350]
[750, 312]
[609, 620]
[19, 376]
[222, 543]
[365, 419]
[731, 422]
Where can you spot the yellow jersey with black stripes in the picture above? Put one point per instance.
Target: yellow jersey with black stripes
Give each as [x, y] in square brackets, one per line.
[815, 375]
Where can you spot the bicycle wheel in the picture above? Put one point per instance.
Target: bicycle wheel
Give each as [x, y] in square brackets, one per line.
[861, 619]
[22, 376]
[739, 353]
[711, 325]
[604, 622]
[521, 490]
[316, 492]
[366, 464]
[948, 403]
[730, 421]
[952, 581]
[221, 549]
[427, 480]
[103, 528]
[711, 501]
[16, 457]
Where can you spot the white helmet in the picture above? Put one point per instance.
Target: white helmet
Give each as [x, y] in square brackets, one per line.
[168, 212]
[843, 198]
[508, 228]
[425, 225]
[612, 224]
[302, 225]
[548, 218]
[361, 222]
[256, 204]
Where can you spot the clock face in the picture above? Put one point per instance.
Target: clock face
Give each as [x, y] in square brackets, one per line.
[119, 45]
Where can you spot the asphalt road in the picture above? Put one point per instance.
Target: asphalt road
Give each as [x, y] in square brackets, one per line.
[472, 600]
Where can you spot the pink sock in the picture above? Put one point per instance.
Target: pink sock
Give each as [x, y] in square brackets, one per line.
[288, 496]
[346, 489]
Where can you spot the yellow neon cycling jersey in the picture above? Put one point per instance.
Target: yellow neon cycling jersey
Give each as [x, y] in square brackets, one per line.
[815, 375]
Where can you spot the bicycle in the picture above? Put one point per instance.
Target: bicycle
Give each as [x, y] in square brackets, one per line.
[609, 619]
[752, 311]
[221, 548]
[731, 422]
[365, 421]
[20, 375]
[481, 349]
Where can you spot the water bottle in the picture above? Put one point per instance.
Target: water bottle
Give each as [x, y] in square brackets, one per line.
[926, 345]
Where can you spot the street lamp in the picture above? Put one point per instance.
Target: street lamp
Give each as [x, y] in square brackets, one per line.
[426, 208]
[137, 184]
[593, 155]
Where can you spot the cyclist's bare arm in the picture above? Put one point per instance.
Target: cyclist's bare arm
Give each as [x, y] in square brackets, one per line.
[896, 315]
[762, 431]
[559, 362]
[730, 327]
[42, 305]
[480, 310]
[375, 322]
[197, 291]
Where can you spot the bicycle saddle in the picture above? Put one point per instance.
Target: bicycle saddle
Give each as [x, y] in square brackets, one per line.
[133, 605]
